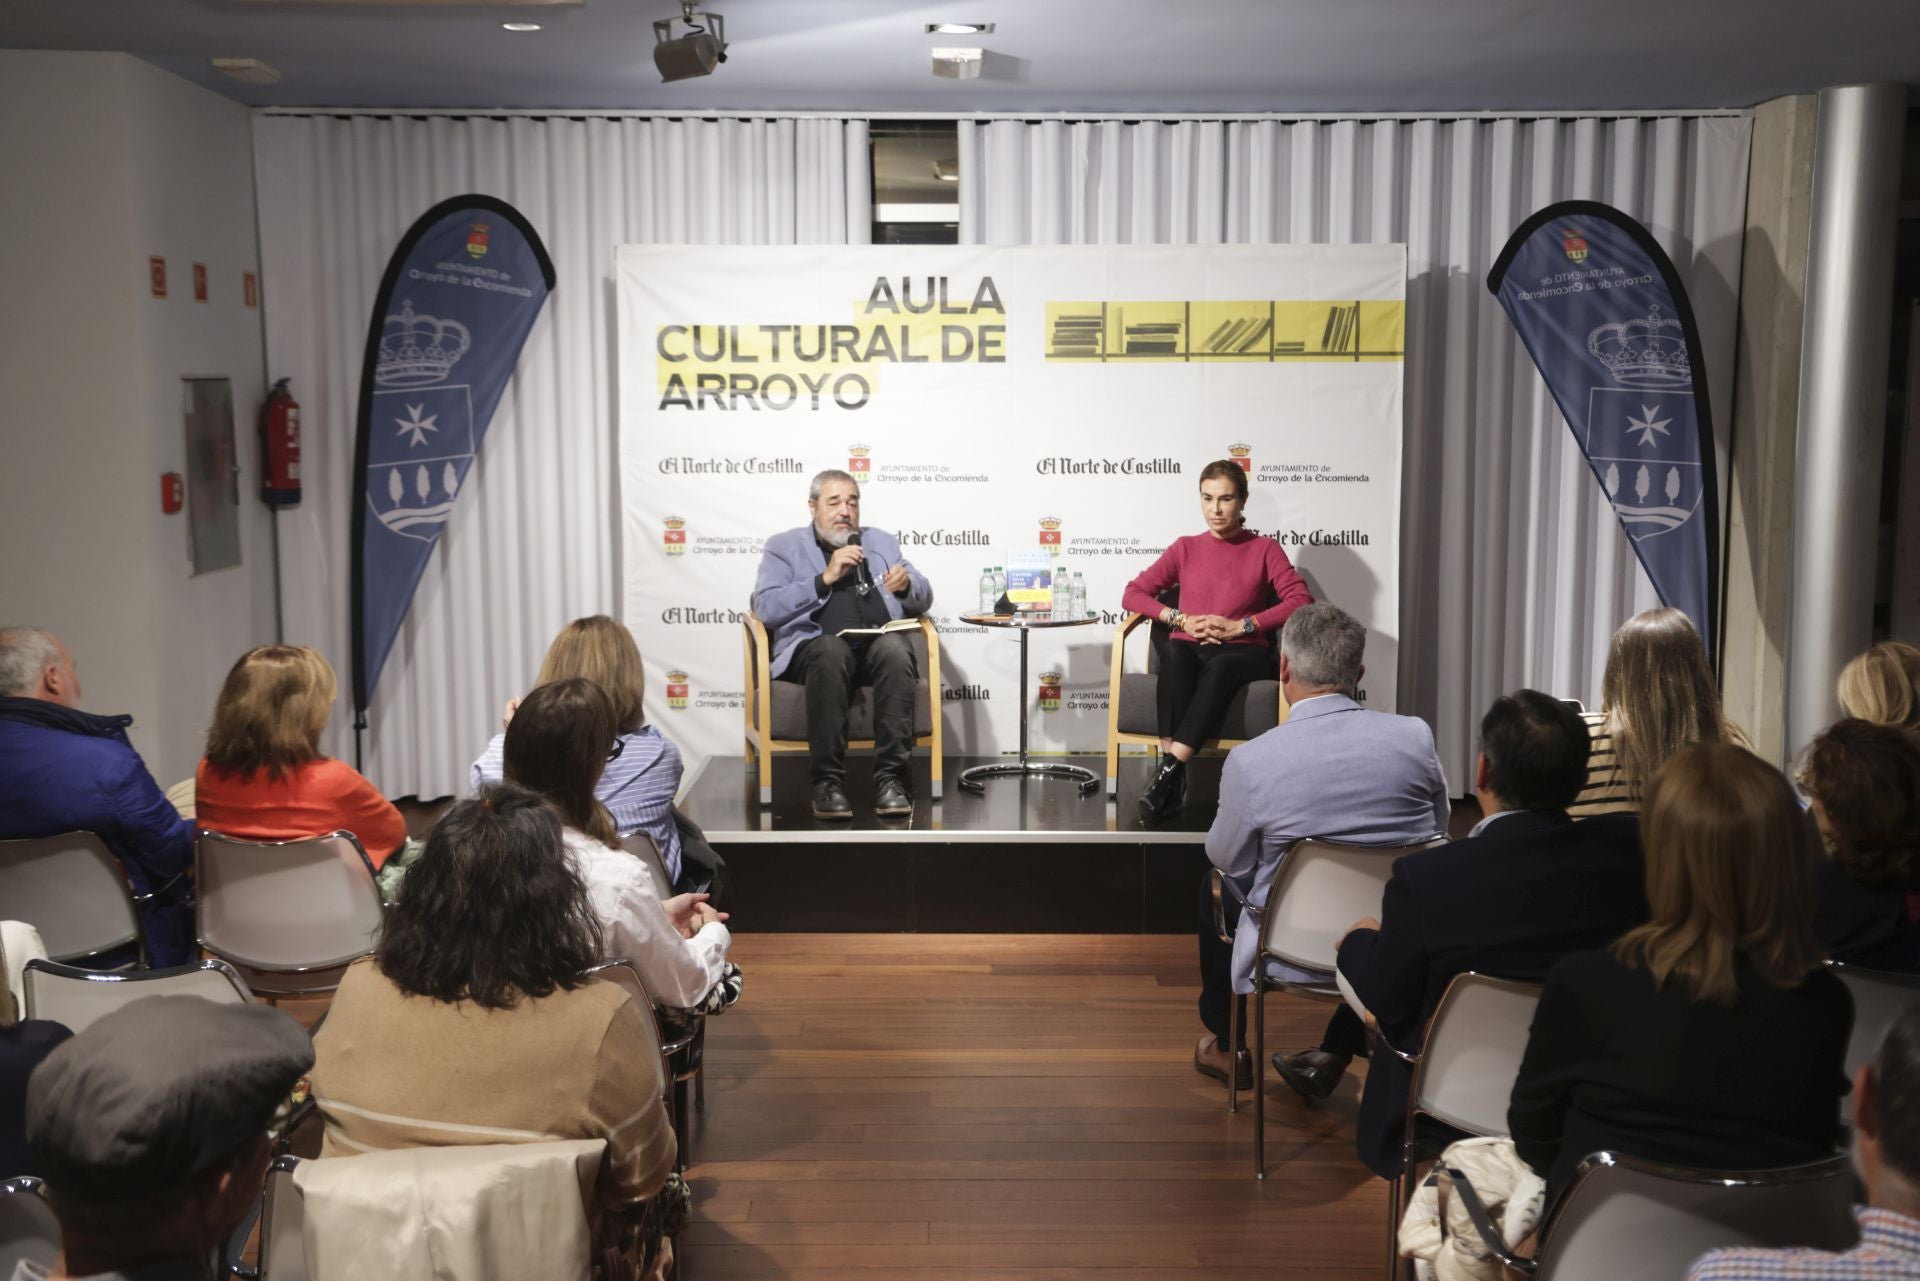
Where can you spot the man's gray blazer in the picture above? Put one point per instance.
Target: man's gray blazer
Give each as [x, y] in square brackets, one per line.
[787, 598]
[1333, 770]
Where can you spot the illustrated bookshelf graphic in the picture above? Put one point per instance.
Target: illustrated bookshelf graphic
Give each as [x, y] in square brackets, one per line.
[1273, 330]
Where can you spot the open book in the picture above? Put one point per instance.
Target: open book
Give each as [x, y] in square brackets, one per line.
[897, 625]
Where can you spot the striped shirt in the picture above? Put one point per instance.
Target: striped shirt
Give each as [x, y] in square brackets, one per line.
[1889, 1248]
[637, 787]
[1606, 791]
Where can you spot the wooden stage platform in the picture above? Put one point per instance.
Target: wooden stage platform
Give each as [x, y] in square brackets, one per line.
[1029, 855]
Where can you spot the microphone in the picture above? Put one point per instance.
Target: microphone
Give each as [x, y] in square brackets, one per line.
[862, 576]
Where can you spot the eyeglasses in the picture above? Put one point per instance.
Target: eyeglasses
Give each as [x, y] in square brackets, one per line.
[619, 746]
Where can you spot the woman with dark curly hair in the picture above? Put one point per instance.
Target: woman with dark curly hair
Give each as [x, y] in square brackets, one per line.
[1862, 782]
[472, 1021]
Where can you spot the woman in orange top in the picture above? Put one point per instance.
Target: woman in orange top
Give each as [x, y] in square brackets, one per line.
[263, 777]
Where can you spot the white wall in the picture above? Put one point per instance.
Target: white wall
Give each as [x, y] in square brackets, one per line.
[107, 161]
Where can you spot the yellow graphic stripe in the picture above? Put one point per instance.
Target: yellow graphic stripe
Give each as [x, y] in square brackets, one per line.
[1214, 330]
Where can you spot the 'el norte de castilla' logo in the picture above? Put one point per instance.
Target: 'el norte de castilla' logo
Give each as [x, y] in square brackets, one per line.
[1241, 454]
[858, 461]
[674, 537]
[1050, 533]
[677, 690]
[1050, 691]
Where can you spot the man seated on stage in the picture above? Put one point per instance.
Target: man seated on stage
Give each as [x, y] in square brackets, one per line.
[64, 770]
[815, 582]
[1333, 770]
[1527, 886]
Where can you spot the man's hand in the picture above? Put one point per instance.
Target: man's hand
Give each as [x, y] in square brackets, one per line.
[506, 717]
[689, 912]
[895, 580]
[841, 563]
[1364, 923]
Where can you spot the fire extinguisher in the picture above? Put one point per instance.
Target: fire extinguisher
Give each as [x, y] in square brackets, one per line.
[280, 448]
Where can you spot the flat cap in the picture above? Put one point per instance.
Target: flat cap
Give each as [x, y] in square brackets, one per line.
[158, 1091]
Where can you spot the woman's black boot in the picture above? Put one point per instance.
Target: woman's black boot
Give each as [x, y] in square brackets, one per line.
[1168, 792]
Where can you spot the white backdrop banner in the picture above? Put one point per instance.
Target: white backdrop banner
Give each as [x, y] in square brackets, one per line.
[993, 399]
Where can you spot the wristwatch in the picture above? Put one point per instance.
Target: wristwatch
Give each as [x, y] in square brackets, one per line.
[1247, 626]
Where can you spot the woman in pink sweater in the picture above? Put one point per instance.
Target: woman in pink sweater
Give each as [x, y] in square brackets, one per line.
[1236, 589]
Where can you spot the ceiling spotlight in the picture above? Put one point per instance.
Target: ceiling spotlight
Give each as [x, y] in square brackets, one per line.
[959, 28]
[947, 170]
[519, 26]
[696, 53]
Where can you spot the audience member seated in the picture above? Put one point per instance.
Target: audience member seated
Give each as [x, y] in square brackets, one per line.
[1657, 695]
[1526, 887]
[1333, 770]
[1711, 1037]
[23, 1044]
[1862, 782]
[150, 1128]
[472, 1021]
[1886, 1155]
[263, 777]
[62, 769]
[639, 783]
[1237, 589]
[558, 742]
[1883, 686]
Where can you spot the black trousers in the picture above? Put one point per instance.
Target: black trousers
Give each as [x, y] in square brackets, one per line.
[1198, 681]
[1346, 1035]
[831, 670]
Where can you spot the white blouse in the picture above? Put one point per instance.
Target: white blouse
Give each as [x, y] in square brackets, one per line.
[677, 971]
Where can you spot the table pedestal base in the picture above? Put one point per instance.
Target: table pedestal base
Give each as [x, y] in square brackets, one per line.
[975, 779]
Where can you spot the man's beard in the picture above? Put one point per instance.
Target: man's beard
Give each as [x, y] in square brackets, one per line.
[833, 537]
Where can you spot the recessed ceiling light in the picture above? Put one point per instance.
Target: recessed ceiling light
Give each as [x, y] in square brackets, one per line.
[959, 28]
[519, 26]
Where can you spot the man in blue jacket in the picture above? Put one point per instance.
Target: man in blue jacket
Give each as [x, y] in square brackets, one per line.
[816, 582]
[62, 769]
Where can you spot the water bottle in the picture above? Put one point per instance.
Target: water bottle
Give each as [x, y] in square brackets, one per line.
[1079, 608]
[999, 582]
[987, 594]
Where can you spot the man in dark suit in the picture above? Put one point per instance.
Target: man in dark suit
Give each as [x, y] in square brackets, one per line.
[1525, 888]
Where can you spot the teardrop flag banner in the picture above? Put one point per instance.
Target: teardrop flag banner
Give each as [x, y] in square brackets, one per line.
[1605, 318]
[454, 308]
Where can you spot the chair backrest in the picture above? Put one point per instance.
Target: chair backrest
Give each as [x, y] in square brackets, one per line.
[80, 998]
[28, 1230]
[19, 943]
[1324, 887]
[641, 846]
[287, 906]
[1628, 1218]
[283, 1252]
[1879, 999]
[507, 1211]
[1472, 1053]
[71, 889]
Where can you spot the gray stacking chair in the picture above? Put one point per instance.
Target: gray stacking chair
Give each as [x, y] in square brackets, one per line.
[641, 846]
[289, 915]
[1879, 999]
[74, 891]
[80, 998]
[28, 1231]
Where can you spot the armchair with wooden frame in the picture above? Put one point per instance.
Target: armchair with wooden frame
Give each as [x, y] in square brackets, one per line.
[1133, 714]
[776, 710]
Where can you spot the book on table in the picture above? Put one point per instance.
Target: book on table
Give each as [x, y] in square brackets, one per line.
[897, 625]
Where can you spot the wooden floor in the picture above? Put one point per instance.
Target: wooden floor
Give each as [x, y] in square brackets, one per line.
[1006, 1106]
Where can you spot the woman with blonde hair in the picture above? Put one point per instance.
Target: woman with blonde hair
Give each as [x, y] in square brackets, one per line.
[639, 782]
[1711, 1037]
[1883, 686]
[1656, 696]
[264, 777]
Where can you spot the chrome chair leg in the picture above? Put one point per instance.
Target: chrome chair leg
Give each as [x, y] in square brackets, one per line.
[1233, 1056]
[1259, 1069]
[700, 1086]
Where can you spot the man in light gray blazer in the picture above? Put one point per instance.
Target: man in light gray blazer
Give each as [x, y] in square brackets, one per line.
[1333, 770]
[816, 582]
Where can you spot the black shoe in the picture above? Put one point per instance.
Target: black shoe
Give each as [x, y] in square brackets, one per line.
[830, 800]
[1167, 794]
[891, 799]
[1312, 1074]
